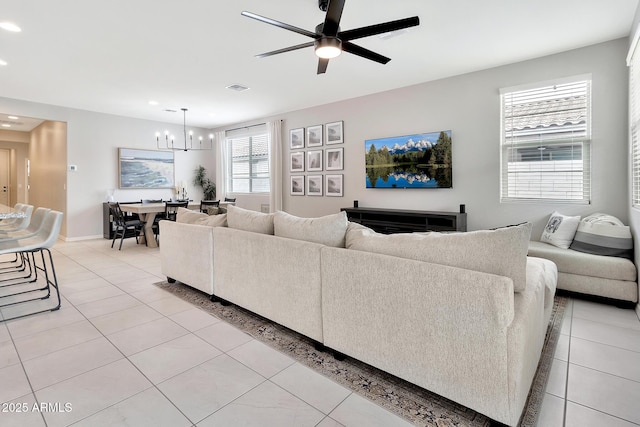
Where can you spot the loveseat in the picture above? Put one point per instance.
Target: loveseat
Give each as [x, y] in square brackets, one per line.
[593, 255]
[438, 310]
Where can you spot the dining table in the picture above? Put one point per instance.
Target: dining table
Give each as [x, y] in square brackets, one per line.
[147, 213]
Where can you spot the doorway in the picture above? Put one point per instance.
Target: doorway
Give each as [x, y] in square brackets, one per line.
[5, 174]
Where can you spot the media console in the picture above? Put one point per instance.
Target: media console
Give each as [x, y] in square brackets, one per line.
[390, 221]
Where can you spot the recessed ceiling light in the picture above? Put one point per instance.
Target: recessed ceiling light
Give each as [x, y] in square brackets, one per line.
[10, 26]
[237, 87]
[153, 102]
[3, 62]
[13, 117]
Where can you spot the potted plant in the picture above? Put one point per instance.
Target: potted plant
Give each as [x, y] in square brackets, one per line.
[208, 186]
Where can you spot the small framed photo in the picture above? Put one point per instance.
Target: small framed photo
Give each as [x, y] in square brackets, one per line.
[334, 133]
[314, 136]
[297, 162]
[314, 185]
[335, 159]
[296, 138]
[314, 161]
[297, 185]
[333, 185]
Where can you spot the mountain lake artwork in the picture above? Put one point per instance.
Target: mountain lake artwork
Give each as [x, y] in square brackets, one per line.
[412, 161]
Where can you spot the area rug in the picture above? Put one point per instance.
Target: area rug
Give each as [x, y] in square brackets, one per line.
[415, 404]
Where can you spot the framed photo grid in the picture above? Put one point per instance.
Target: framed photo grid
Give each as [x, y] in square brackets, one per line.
[305, 157]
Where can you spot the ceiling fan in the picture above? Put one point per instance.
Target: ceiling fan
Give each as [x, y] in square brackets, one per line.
[329, 41]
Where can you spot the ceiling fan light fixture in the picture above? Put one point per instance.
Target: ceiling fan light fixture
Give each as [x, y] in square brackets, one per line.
[328, 47]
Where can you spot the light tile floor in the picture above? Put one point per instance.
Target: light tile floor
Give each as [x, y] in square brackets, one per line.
[123, 352]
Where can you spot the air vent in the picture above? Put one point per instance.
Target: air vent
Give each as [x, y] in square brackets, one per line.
[238, 87]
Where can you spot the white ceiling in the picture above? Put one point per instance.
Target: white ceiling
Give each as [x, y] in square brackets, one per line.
[115, 56]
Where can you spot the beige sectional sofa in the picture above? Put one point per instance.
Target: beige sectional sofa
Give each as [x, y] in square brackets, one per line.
[472, 333]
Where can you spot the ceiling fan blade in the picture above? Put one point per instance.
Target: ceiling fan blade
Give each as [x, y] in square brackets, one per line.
[322, 65]
[332, 18]
[365, 53]
[280, 24]
[283, 50]
[385, 27]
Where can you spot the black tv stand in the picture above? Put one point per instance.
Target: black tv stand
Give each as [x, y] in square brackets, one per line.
[390, 221]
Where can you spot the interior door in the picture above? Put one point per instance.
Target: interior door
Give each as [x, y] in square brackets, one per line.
[4, 177]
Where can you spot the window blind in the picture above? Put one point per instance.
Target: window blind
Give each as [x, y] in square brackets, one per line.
[545, 143]
[634, 124]
[248, 161]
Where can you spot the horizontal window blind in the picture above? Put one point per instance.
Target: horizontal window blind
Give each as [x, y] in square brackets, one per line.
[248, 162]
[634, 124]
[545, 143]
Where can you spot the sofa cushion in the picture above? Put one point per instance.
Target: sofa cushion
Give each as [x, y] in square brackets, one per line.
[502, 251]
[583, 264]
[327, 230]
[187, 216]
[560, 230]
[602, 234]
[248, 220]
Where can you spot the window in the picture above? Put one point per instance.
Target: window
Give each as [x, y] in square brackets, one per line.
[248, 160]
[634, 124]
[545, 141]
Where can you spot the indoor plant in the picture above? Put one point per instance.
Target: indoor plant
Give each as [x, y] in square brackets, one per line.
[208, 186]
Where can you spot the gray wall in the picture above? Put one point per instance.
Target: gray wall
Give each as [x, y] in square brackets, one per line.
[469, 106]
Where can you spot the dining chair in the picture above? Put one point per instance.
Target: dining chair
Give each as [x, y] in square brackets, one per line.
[123, 225]
[171, 209]
[147, 201]
[230, 199]
[16, 224]
[206, 204]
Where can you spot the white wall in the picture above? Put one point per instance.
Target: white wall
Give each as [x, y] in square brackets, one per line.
[92, 144]
[469, 106]
[634, 213]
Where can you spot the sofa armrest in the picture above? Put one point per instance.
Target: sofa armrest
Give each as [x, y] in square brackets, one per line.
[186, 254]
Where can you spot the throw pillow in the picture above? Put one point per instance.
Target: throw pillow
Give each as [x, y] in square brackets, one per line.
[187, 216]
[328, 230]
[502, 251]
[560, 230]
[602, 234]
[248, 220]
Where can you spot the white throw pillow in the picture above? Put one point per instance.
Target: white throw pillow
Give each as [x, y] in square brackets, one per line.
[327, 230]
[248, 220]
[502, 251]
[560, 230]
[186, 216]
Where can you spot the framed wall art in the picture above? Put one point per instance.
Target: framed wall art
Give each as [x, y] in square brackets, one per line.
[334, 159]
[145, 168]
[297, 185]
[296, 138]
[334, 133]
[314, 185]
[333, 185]
[314, 136]
[314, 161]
[297, 162]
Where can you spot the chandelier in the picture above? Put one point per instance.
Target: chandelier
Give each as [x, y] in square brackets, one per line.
[168, 142]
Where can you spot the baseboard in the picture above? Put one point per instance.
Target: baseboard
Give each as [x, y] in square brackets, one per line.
[77, 239]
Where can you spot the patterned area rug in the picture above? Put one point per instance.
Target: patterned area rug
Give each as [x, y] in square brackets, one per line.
[415, 404]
